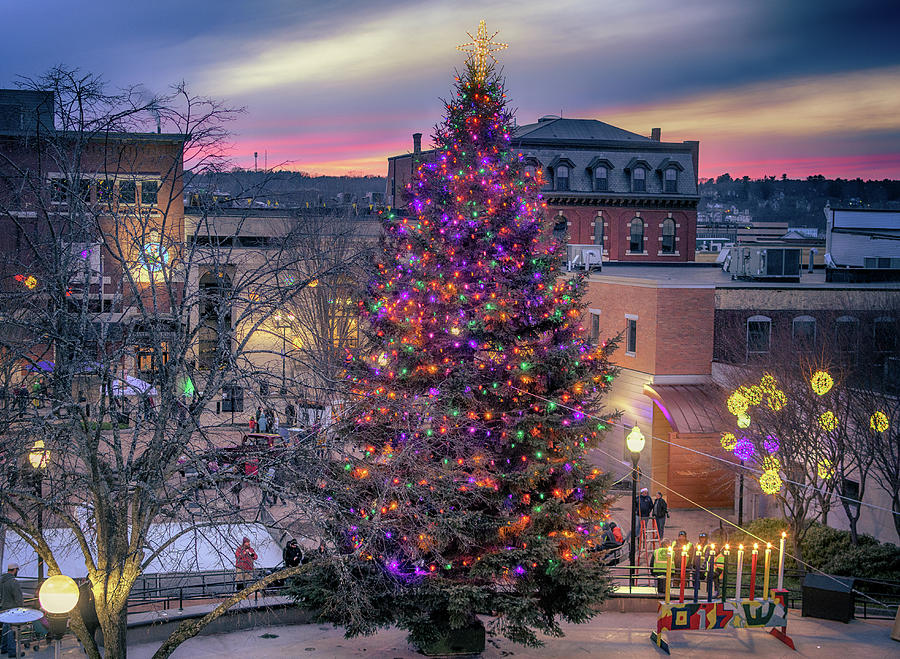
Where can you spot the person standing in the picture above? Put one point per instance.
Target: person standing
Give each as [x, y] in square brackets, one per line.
[261, 422]
[292, 554]
[87, 607]
[244, 556]
[10, 598]
[660, 514]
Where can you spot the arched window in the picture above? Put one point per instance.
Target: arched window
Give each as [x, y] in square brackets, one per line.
[601, 178]
[214, 332]
[636, 244]
[598, 230]
[668, 236]
[846, 337]
[529, 170]
[759, 335]
[803, 333]
[562, 177]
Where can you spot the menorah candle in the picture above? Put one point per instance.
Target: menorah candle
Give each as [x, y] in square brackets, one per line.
[753, 570]
[683, 568]
[765, 592]
[710, 569]
[740, 571]
[724, 584]
[781, 561]
[697, 551]
[670, 559]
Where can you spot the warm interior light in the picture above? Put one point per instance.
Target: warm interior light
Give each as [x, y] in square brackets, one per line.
[635, 440]
[58, 594]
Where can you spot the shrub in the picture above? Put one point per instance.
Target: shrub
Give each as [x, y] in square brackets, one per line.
[869, 561]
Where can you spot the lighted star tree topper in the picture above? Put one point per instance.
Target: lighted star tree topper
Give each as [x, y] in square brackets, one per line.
[468, 489]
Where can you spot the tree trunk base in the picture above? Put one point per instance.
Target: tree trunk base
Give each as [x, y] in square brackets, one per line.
[458, 642]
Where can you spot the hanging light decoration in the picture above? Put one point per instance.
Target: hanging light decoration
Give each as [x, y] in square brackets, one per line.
[743, 420]
[776, 400]
[825, 469]
[737, 403]
[771, 444]
[828, 420]
[754, 395]
[768, 383]
[771, 463]
[821, 382]
[770, 482]
[728, 441]
[879, 422]
[743, 449]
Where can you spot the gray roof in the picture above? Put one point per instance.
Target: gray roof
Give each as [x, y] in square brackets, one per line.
[576, 129]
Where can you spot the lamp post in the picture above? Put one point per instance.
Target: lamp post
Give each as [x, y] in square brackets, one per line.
[283, 322]
[38, 457]
[635, 443]
[58, 596]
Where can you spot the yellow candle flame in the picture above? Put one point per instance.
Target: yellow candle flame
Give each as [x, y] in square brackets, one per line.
[783, 534]
[741, 547]
[684, 549]
[727, 546]
[768, 545]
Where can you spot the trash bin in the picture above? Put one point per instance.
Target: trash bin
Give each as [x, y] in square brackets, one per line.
[827, 597]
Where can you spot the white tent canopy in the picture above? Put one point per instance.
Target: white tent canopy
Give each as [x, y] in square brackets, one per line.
[130, 386]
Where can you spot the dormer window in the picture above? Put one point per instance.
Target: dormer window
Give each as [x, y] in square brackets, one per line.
[670, 177]
[638, 179]
[601, 178]
[529, 170]
[562, 177]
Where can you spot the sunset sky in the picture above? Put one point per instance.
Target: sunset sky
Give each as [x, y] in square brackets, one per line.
[334, 87]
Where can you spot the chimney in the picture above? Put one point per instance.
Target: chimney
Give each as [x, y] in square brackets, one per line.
[655, 134]
[417, 142]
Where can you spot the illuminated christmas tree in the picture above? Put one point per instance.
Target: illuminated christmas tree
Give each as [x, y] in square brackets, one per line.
[470, 491]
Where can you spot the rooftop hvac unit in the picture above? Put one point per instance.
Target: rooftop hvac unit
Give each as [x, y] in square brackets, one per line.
[765, 263]
[584, 256]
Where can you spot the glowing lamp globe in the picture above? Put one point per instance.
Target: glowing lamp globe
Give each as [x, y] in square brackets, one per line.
[58, 594]
[879, 422]
[635, 440]
[743, 421]
[821, 382]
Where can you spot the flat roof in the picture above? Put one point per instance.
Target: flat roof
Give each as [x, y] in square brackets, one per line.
[706, 275]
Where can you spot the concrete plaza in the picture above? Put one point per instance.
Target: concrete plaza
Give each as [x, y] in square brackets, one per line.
[621, 635]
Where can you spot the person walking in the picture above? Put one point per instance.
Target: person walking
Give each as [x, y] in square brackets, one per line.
[10, 598]
[660, 514]
[87, 607]
[292, 554]
[244, 556]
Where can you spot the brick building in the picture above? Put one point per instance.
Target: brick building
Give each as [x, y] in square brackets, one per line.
[631, 197]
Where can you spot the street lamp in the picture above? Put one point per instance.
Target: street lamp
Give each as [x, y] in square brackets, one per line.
[38, 457]
[635, 443]
[58, 596]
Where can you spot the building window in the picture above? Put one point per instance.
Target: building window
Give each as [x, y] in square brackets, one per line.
[149, 190]
[214, 332]
[846, 334]
[598, 230]
[759, 334]
[803, 333]
[668, 236]
[127, 192]
[630, 336]
[529, 170]
[671, 180]
[638, 180]
[636, 244]
[595, 327]
[562, 177]
[601, 179]
[884, 336]
[105, 189]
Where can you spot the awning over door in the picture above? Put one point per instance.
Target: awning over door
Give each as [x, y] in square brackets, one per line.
[691, 408]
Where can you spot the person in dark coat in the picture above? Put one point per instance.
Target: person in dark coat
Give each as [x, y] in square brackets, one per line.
[10, 598]
[645, 504]
[87, 608]
[292, 554]
[660, 514]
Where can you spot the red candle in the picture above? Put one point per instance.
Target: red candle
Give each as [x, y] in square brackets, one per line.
[683, 568]
[753, 571]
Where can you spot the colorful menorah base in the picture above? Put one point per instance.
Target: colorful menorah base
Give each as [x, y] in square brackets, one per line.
[697, 616]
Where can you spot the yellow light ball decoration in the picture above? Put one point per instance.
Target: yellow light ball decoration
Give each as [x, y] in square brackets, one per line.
[754, 395]
[879, 422]
[825, 469]
[768, 383]
[743, 421]
[771, 463]
[737, 403]
[776, 400]
[770, 482]
[729, 441]
[821, 382]
[828, 420]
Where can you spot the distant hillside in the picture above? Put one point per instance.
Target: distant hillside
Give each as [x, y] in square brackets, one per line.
[798, 202]
[289, 188]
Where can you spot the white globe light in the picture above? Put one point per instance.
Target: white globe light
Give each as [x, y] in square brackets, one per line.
[635, 440]
[58, 594]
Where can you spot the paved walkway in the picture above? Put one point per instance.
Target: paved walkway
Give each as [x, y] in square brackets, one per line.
[621, 635]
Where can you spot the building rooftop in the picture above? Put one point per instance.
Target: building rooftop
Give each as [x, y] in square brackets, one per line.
[708, 275]
[556, 128]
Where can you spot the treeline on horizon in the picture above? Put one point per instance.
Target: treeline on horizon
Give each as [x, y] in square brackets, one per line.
[799, 202]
